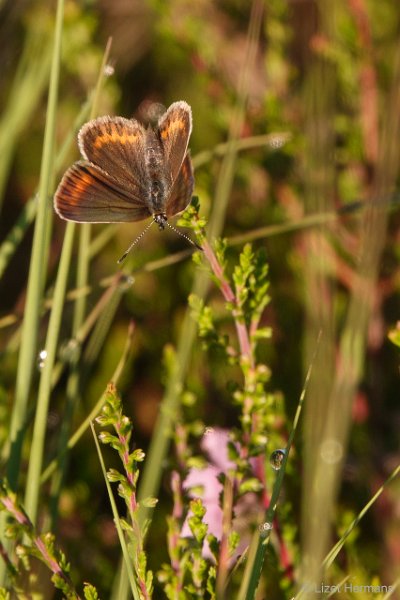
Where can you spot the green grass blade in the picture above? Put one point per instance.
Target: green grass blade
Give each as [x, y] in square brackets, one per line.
[256, 559]
[17, 233]
[39, 431]
[273, 140]
[27, 88]
[331, 556]
[95, 410]
[125, 552]
[28, 350]
[74, 380]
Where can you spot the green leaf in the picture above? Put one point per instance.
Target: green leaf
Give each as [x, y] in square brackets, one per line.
[197, 508]
[114, 475]
[233, 542]
[264, 333]
[214, 546]
[108, 438]
[149, 502]
[137, 455]
[211, 581]
[394, 335]
[198, 528]
[90, 592]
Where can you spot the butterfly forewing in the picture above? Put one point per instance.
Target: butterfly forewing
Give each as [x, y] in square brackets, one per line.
[117, 146]
[87, 194]
[174, 128]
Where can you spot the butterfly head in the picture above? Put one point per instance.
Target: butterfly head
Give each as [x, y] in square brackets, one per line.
[161, 220]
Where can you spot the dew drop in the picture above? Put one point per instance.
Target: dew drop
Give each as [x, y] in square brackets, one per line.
[276, 458]
[109, 70]
[126, 282]
[331, 451]
[41, 359]
[69, 351]
[53, 419]
[277, 141]
[264, 528]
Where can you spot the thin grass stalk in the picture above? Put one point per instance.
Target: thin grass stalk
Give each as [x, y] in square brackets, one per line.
[39, 430]
[28, 212]
[225, 180]
[17, 233]
[73, 384]
[319, 177]
[392, 592]
[27, 87]
[85, 229]
[84, 426]
[223, 558]
[80, 368]
[273, 140]
[127, 558]
[28, 350]
[352, 343]
[332, 554]
[261, 537]
[153, 466]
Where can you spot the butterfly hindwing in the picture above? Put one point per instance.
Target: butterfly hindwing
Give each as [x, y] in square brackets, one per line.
[181, 193]
[87, 194]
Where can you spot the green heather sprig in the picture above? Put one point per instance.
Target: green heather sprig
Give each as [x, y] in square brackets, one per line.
[244, 288]
[41, 547]
[245, 293]
[112, 416]
[189, 574]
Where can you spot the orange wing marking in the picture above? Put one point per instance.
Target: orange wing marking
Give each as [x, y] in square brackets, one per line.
[174, 125]
[114, 137]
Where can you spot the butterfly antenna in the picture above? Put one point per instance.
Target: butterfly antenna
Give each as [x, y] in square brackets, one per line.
[184, 236]
[139, 237]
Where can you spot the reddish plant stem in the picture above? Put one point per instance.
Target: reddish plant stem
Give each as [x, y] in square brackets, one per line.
[173, 539]
[218, 271]
[20, 516]
[223, 559]
[368, 82]
[129, 474]
[228, 294]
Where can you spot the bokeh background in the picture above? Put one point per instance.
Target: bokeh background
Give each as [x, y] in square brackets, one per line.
[321, 79]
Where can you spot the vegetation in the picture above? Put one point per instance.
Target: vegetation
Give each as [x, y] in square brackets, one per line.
[245, 395]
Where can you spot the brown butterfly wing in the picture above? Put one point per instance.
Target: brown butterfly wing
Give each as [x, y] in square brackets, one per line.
[174, 129]
[182, 190]
[87, 194]
[117, 146]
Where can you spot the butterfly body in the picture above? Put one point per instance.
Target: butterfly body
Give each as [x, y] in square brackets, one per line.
[128, 172]
[160, 181]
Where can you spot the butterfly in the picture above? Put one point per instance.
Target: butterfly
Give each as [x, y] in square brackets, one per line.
[130, 172]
